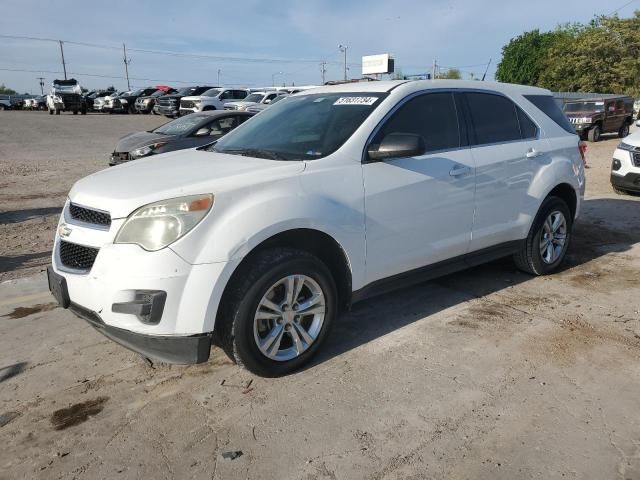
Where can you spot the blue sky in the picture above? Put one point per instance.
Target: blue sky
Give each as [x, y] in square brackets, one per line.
[460, 33]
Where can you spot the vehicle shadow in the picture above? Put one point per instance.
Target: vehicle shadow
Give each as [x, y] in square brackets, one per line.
[593, 237]
[9, 264]
[16, 216]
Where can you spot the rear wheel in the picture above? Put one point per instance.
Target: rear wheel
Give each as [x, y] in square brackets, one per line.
[75, 112]
[546, 245]
[57, 111]
[594, 134]
[50, 111]
[279, 312]
[624, 130]
[205, 109]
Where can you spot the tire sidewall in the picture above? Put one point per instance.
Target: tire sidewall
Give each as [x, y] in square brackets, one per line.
[550, 204]
[242, 331]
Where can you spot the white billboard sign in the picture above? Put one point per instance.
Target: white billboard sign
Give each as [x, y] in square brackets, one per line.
[377, 64]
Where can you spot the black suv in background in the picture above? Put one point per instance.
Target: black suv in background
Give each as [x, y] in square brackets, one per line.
[169, 105]
[145, 104]
[90, 97]
[133, 96]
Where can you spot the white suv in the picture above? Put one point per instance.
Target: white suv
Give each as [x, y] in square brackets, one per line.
[257, 241]
[212, 99]
[625, 167]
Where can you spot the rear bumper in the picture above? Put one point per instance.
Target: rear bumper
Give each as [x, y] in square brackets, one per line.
[630, 181]
[163, 348]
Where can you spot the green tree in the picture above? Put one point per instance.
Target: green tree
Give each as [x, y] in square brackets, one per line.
[523, 58]
[452, 74]
[6, 90]
[603, 56]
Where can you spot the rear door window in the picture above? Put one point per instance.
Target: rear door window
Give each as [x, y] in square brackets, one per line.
[432, 115]
[494, 118]
[528, 129]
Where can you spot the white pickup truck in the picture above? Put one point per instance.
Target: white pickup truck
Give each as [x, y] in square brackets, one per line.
[66, 96]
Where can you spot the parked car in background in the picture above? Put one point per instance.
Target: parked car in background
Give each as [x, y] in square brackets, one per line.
[114, 104]
[146, 104]
[107, 107]
[130, 99]
[66, 96]
[252, 99]
[91, 97]
[5, 102]
[329, 197]
[185, 132]
[169, 105]
[593, 117]
[625, 167]
[213, 99]
[258, 107]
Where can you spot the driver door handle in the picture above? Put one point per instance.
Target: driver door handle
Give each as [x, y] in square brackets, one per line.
[533, 153]
[459, 170]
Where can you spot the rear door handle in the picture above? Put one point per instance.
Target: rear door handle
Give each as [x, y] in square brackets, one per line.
[459, 170]
[533, 153]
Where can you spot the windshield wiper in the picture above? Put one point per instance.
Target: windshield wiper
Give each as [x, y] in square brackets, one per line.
[253, 152]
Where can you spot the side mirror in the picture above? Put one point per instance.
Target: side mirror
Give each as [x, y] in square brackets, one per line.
[202, 132]
[397, 145]
[267, 101]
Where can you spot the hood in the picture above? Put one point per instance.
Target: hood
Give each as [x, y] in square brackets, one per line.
[170, 96]
[243, 104]
[194, 98]
[139, 139]
[121, 190]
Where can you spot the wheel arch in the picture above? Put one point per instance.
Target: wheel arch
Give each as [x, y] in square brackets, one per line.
[567, 193]
[313, 241]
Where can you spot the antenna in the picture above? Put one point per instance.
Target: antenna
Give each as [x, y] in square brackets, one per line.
[486, 70]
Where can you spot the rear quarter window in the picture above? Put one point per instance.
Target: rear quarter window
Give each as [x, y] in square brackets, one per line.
[547, 105]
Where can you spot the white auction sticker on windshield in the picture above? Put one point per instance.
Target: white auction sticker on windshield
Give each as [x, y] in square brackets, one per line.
[356, 101]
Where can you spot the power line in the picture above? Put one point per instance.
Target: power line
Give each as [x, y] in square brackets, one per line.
[174, 54]
[620, 8]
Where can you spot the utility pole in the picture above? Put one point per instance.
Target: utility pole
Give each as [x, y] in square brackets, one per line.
[343, 49]
[64, 66]
[41, 85]
[486, 70]
[323, 70]
[433, 69]
[126, 65]
[219, 73]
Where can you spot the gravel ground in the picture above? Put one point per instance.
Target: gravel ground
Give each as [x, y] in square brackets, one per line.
[487, 373]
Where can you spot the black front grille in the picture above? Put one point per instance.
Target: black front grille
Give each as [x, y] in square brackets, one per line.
[77, 257]
[187, 104]
[88, 215]
[121, 156]
[636, 158]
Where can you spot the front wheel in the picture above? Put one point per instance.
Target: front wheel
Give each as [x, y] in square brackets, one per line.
[50, 111]
[546, 245]
[594, 134]
[279, 312]
[57, 111]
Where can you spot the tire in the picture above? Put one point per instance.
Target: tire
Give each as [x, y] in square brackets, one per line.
[206, 109]
[75, 112]
[594, 134]
[57, 111]
[619, 191]
[50, 112]
[530, 259]
[239, 331]
[624, 130]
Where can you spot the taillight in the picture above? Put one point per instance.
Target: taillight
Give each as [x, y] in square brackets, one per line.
[582, 146]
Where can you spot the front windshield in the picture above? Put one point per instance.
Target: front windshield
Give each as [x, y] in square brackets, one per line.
[159, 93]
[254, 97]
[179, 125]
[302, 128]
[186, 91]
[584, 107]
[212, 92]
[278, 98]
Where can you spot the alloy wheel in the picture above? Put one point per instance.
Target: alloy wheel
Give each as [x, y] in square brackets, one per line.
[553, 238]
[289, 317]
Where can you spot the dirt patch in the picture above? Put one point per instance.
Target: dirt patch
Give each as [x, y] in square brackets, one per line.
[490, 315]
[77, 414]
[21, 312]
[31, 196]
[575, 337]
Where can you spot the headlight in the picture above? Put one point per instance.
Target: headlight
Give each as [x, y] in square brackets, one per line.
[585, 120]
[146, 101]
[160, 224]
[146, 150]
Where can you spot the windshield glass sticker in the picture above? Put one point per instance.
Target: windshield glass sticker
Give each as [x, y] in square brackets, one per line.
[356, 101]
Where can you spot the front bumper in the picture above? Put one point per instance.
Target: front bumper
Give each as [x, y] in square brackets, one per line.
[144, 108]
[630, 181]
[170, 111]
